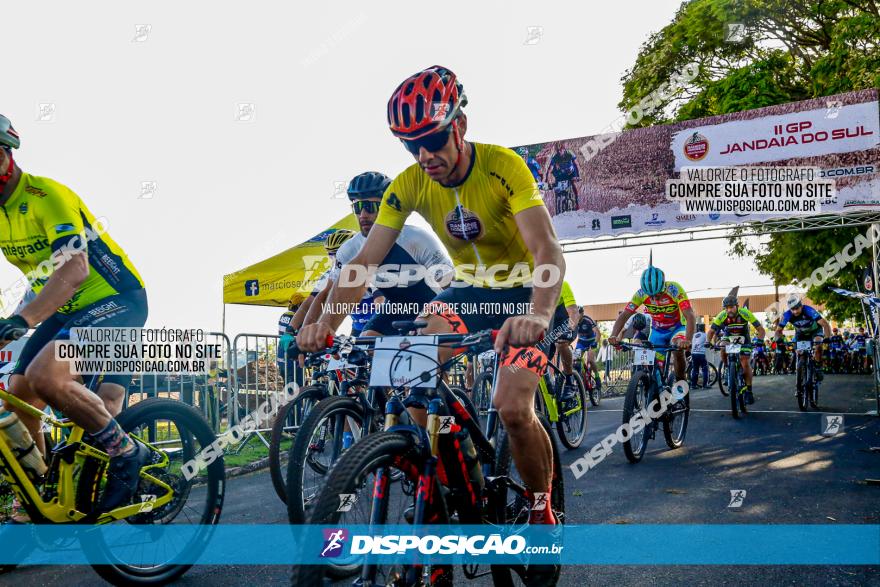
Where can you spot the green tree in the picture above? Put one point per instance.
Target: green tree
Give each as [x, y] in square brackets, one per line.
[757, 53]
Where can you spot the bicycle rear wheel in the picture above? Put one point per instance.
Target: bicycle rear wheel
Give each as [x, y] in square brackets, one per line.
[287, 422]
[482, 393]
[179, 432]
[675, 425]
[371, 461]
[723, 378]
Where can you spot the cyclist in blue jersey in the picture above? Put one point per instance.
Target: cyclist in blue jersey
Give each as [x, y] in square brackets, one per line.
[533, 165]
[563, 169]
[410, 275]
[808, 325]
[588, 336]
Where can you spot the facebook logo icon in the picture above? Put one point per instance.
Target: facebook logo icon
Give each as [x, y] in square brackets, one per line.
[252, 287]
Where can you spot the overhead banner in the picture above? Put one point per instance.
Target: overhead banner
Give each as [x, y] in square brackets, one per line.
[615, 184]
[289, 275]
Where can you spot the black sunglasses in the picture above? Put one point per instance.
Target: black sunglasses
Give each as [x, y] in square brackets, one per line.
[370, 207]
[432, 142]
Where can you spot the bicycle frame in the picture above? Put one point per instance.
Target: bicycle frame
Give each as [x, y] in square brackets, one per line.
[66, 462]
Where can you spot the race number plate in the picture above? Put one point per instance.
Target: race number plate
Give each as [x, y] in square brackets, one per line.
[804, 345]
[399, 360]
[562, 185]
[733, 349]
[643, 357]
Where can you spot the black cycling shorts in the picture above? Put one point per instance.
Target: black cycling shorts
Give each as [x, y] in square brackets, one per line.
[120, 310]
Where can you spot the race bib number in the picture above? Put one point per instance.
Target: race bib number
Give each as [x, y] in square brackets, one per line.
[804, 345]
[405, 360]
[563, 185]
[643, 357]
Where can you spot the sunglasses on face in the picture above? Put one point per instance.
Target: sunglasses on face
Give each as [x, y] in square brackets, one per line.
[432, 142]
[370, 207]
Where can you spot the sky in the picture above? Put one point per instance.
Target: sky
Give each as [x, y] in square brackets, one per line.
[137, 107]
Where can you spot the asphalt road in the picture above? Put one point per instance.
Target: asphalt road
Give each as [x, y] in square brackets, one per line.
[790, 472]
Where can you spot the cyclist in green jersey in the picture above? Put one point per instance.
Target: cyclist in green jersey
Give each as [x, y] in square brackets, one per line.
[82, 279]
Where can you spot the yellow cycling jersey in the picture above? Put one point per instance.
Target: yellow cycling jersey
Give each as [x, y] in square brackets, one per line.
[474, 219]
[566, 296]
[43, 221]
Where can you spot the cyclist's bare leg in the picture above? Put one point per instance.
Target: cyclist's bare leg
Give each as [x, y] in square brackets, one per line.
[564, 350]
[591, 357]
[532, 452]
[746, 368]
[57, 386]
[19, 387]
[679, 362]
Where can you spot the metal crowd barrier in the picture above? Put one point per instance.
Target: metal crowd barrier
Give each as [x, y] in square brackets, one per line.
[257, 374]
[616, 373]
[209, 392]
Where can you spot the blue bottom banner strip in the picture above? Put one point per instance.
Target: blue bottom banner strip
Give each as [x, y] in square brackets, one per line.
[147, 545]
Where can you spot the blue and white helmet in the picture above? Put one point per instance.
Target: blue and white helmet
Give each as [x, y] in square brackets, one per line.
[653, 279]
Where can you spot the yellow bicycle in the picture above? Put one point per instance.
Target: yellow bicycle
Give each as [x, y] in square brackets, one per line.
[175, 488]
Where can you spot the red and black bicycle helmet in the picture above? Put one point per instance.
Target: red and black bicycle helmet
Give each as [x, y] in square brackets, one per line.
[425, 102]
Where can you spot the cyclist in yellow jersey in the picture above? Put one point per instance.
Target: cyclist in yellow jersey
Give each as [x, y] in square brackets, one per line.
[484, 205]
[82, 279]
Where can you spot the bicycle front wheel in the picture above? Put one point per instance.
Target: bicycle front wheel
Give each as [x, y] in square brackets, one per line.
[362, 472]
[287, 423]
[177, 432]
[317, 446]
[572, 423]
[635, 402]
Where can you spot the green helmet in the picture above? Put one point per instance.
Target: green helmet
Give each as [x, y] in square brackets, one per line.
[8, 136]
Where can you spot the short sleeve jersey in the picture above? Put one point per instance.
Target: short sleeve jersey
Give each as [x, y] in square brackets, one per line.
[475, 218]
[43, 222]
[807, 322]
[738, 325]
[665, 308]
[566, 296]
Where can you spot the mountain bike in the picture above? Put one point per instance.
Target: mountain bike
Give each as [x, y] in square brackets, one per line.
[566, 200]
[480, 484]
[711, 369]
[806, 385]
[481, 391]
[333, 425]
[72, 487]
[589, 378]
[736, 384]
[324, 383]
[570, 418]
[652, 385]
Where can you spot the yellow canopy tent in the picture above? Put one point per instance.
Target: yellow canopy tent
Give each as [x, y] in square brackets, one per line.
[290, 274]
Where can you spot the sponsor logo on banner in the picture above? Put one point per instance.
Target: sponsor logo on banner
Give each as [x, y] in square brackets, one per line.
[860, 202]
[714, 216]
[696, 147]
[621, 222]
[596, 225]
[655, 221]
[686, 217]
[808, 133]
[252, 287]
